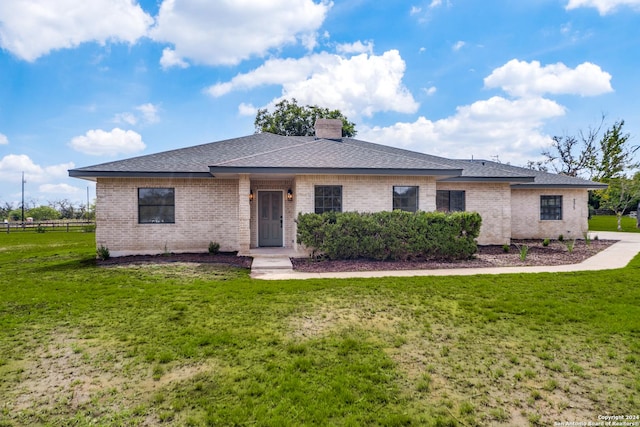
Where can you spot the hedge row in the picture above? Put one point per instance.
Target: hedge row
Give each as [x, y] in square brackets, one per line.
[396, 235]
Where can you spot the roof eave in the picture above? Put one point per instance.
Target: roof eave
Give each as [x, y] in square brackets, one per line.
[93, 175]
[589, 186]
[509, 179]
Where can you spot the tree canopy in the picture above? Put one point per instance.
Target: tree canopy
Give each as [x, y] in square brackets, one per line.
[291, 119]
[590, 154]
[605, 157]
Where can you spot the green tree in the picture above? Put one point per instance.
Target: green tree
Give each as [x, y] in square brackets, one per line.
[42, 213]
[620, 194]
[614, 156]
[589, 154]
[291, 119]
[5, 209]
[570, 155]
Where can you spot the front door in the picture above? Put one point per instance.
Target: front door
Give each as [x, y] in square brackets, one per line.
[270, 218]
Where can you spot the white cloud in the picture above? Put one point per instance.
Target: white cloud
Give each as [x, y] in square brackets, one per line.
[32, 28]
[60, 189]
[12, 166]
[3, 139]
[102, 143]
[149, 112]
[520, 78]
[356, 47]
[511, 129]
[171, 59]
[458, 45]
[358, 86]
[228, 32]
[430, 91]
[247, 109]
[58, 171]
[415, 10]
[604, 6]
[127, 118]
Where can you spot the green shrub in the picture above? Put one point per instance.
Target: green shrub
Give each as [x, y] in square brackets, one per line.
[40, 229]
[561, 238]
[524, 251]
[396, 235]
[214, 248]
[571, 245]
[103, 252]
[546, 242]
[506, 248]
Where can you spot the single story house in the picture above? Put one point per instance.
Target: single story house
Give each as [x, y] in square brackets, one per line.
[246, 193]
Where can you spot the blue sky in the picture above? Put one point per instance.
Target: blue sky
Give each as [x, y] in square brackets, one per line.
[83, 83]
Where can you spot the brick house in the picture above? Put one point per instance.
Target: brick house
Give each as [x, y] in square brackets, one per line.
[246, 192]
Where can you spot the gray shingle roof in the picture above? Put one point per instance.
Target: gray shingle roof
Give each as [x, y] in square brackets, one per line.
[540, 179]
[267, 153]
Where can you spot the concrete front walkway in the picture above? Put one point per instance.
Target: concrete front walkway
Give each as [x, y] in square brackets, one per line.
[617, 255]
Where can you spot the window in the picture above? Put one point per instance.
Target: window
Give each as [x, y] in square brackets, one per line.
[405, 198]
[328, 198]
[156, 205]
[551, 208]
[450, 201]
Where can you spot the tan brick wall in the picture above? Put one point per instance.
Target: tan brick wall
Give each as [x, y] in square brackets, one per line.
[364, 193]
[492, 202]
[206, 210]
[525, 212]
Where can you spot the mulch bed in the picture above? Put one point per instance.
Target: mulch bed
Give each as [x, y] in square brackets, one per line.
[557, 253]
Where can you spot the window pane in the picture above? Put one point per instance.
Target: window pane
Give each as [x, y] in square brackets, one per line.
[156, 196]
[450, 201]
[405, 198]
[456, 201]
[551, 208]
[328, 198]
[156, 205]
[442, 200]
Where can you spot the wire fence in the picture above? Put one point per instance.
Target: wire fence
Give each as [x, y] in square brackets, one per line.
[44, 226]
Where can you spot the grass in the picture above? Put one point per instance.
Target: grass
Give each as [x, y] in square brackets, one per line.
[610, 223]
[183, 344]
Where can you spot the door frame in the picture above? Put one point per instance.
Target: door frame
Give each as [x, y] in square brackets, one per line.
[282, 199]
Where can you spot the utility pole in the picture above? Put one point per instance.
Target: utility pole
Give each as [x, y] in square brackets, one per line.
[23, 182]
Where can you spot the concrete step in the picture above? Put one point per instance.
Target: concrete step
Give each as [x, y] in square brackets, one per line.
[271, 263]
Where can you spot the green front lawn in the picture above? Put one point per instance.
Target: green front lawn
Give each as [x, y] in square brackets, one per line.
[610, 223]
[182, 344]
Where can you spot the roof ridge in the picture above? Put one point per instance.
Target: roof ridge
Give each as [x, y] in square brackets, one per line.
[264, 152]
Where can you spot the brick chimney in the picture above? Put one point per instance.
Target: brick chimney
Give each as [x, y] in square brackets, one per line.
[329, 129]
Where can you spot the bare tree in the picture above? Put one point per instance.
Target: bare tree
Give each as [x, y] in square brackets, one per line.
[574, 156]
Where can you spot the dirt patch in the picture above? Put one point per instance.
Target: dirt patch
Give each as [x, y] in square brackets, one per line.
[226, 258]
[70, 373]
[556, 253]
[327, 319]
